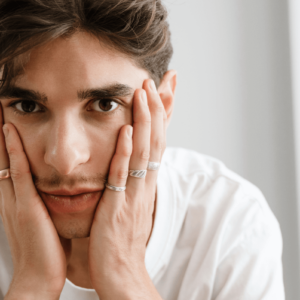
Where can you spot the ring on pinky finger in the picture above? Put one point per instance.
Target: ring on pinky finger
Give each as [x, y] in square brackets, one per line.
[153, 166]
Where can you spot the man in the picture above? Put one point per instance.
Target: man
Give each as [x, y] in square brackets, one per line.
[92, 205]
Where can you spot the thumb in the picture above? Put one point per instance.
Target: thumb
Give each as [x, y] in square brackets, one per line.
[19, 166]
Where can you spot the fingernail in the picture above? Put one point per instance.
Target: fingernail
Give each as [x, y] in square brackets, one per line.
[129, 132]
[144, 97]
[5, 130]
[152, 86]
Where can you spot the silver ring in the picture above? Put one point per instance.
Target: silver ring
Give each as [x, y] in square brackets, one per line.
[153, 166]
[4, 174]
[115, 188]
[138, 173]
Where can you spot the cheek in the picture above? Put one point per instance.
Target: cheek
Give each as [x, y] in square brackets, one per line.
[103, 140]
[33, 140]
[100, 139]
[102, 147]
[31, 135]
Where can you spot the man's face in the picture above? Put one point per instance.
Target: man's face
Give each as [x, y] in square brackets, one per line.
[70, 136]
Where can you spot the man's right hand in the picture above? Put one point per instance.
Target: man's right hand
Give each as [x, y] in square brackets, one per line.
[38, 256]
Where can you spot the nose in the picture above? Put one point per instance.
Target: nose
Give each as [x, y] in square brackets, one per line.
[67, 145]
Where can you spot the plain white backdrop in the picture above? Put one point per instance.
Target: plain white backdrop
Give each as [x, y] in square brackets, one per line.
[235, 100]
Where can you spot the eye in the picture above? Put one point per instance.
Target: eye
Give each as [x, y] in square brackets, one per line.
[104, 105]
[27, 106]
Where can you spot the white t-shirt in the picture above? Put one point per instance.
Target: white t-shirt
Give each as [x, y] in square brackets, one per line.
[214, 236]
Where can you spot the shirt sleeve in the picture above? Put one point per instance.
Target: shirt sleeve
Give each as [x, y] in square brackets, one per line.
[252, 269]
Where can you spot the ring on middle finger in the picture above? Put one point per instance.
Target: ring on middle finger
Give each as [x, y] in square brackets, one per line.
[138, 173]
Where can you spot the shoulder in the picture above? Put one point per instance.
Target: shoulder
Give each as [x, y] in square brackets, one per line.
[215, 196]
[208, 173]
[185, 163]
[225, 231]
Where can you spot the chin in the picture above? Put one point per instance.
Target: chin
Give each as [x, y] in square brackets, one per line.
[72, 217]
[73, 227]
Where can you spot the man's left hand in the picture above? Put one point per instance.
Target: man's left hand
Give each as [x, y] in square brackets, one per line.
[123, 220]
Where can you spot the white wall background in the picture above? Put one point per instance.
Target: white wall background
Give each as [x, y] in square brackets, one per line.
[234, 100]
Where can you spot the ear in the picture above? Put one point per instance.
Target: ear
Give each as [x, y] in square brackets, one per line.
[166, 91]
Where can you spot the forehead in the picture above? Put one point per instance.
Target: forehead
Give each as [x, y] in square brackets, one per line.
[80, 61]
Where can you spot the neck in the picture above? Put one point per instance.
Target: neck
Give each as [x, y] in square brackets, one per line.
[77, 268]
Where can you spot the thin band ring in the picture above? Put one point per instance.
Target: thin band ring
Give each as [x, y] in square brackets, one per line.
[115, 188]
[153, 166]
[138, 173]
[4, 173]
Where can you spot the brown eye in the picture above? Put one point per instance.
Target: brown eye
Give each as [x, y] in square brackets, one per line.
[27, 106]
[105, 105]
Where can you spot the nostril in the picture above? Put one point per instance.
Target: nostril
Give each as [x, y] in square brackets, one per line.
[67, 145]
[65, 158]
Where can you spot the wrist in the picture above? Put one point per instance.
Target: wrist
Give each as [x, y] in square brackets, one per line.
[21, 290]
[28, 295]
[15, 295]
[128, 284]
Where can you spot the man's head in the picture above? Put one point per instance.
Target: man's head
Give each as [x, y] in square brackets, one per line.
[75, 65]
[137, 28]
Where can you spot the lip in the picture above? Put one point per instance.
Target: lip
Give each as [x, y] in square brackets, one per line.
[66, 203]
[65, 192]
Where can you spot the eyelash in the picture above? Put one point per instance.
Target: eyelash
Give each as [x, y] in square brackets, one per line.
[16, 111]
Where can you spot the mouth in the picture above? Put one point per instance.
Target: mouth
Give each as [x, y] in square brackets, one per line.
[76, 201]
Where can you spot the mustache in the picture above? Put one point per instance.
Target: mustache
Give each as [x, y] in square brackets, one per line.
[56, 180]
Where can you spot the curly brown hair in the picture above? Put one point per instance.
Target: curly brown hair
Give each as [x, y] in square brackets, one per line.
[137, 28]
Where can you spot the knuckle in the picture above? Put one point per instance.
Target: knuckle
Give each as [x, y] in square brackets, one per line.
[159, 109]
[159, 144]
[141, 154]
[143, 118]
[122, 174]
[11, 150]
[125, 152]
[147, 118]
[146, 122]
[15, 173]
[144, 155]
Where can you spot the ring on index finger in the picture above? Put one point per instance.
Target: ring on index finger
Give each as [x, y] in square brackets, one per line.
[115, 188]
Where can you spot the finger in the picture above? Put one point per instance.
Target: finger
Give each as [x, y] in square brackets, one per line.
[157, 142]
[6, 186]
[24, 188]
[141, 138]
[118, 171]
[4, 160]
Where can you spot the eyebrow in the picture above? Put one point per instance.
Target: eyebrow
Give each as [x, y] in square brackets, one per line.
[17, 92]
[113, 90]
[109, 91]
